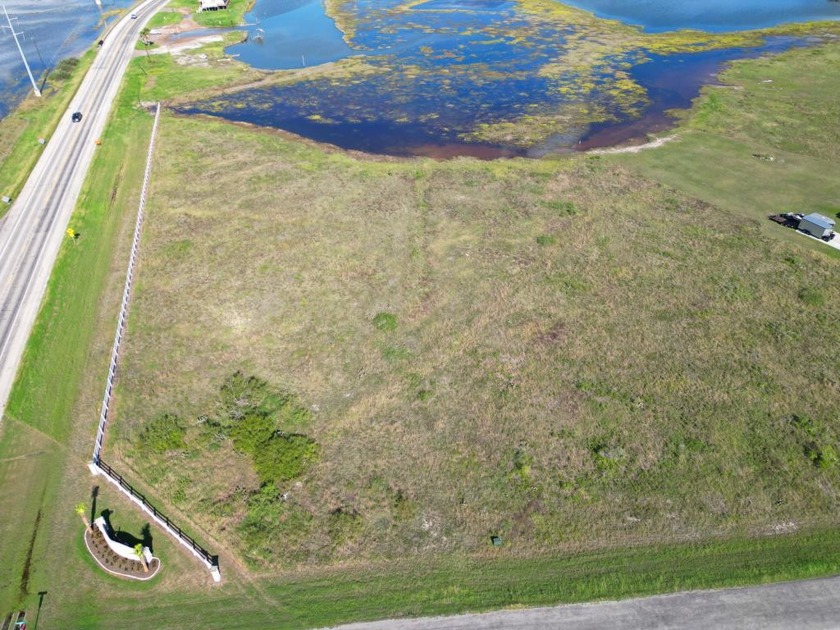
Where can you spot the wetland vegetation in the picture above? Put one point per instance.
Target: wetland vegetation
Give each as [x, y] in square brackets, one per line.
[481, 78]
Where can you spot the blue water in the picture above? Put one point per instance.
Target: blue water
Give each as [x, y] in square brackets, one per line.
[672, 82]
[52, 30]
[380, 115]
[711, 15]
[447, 67]
[298, 34]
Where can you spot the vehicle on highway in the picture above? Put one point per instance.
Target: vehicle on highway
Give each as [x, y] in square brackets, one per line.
[133, 16]
[77, 116]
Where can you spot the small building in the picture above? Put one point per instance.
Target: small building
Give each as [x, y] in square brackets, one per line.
[212, 5]
[817, 225]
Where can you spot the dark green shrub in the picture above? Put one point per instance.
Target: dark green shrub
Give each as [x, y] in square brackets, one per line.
[64, 69]
[811, 297]
[284, 457]
[164, 433]
[252, 431]
[816, 442]
[546, 239]
[822, 455]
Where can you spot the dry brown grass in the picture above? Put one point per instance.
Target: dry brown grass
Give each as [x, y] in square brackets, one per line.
[634, 377]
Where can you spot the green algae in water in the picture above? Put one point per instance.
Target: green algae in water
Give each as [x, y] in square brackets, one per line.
[517, 74]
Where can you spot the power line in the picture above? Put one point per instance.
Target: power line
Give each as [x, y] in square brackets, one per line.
[20, 50]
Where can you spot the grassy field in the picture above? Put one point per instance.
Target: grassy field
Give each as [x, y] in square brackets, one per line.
[769, 108]
[593, 359]
[575, 356]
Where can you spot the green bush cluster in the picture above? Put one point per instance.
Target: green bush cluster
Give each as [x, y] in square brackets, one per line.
[284, 456]
[164, 433]
[817, 442]
[64, 70]
[259, 421]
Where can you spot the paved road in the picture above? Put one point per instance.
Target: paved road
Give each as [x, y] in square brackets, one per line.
[32, 231]
[806, 605]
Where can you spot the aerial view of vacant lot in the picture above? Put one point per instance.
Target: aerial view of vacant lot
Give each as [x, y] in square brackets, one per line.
[382, 377]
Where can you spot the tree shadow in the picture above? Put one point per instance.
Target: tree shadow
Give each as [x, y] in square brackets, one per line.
[146, 533]
[94, 492]
[127, 538]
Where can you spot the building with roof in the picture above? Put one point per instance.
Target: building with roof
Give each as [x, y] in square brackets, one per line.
[212, 5]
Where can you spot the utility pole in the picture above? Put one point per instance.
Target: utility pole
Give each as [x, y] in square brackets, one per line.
[20, 50]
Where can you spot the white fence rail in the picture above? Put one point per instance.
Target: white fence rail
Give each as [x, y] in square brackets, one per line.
[129, 277]
[97, 466]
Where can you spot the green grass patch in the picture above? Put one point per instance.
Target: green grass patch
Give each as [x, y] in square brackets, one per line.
[34, 119]
[166, 17]
[385, 322]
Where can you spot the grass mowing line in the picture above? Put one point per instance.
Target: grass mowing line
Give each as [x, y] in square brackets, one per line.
[460, 585]
[59, 351]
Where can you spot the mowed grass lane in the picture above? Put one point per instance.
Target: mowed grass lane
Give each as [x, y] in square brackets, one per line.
[46, 436]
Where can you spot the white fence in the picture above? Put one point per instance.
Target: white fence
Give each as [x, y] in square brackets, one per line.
[97, 465]
[129, 277]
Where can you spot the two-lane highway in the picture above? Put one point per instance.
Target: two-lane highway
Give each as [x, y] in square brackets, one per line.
[31, 233]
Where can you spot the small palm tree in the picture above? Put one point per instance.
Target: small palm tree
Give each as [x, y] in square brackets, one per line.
[138, 551]
[144, 37]
[81, 510]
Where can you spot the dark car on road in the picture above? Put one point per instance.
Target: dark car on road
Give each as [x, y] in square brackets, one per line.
[77, 116]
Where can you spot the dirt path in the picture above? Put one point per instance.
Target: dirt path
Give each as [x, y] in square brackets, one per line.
[653, 144]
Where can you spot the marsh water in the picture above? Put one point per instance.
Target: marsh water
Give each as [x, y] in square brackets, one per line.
[710, 15]
[492, 77]
[51, 30]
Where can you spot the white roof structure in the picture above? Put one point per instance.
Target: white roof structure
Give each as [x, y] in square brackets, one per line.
[212, 5]
[818, 219]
